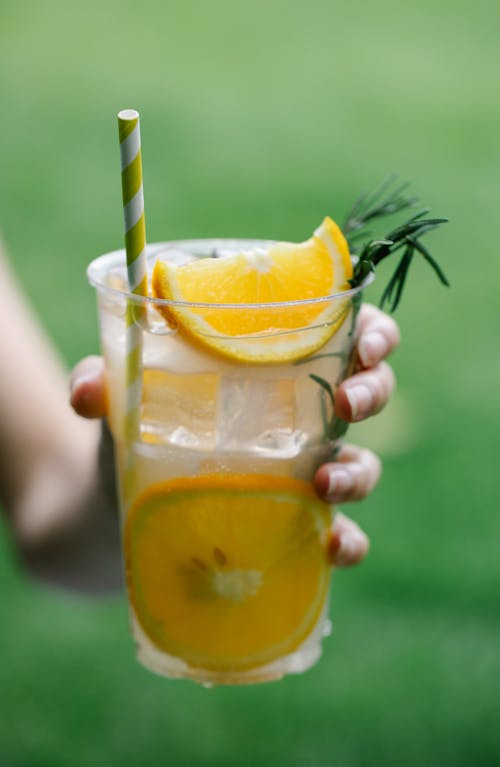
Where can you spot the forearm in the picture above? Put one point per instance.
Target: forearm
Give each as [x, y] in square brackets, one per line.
[80, 548]
[61, 517]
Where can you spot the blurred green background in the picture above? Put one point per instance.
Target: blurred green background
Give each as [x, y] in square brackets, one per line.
[257, 120]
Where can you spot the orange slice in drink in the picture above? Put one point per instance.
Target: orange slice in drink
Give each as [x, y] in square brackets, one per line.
[227, 572]
[285, 272]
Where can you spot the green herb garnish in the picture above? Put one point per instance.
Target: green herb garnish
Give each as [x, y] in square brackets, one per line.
[387, 200]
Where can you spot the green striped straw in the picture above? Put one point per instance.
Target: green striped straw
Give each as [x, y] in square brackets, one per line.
[135, 246]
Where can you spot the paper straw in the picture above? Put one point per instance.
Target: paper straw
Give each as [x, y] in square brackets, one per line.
[135, 246]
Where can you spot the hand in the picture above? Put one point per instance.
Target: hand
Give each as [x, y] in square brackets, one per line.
[357, 470]
[367, 391]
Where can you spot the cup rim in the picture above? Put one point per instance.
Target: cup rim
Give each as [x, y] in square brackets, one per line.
[153, 250]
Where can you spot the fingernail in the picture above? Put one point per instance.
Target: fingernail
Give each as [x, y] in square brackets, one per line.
[353, 547]
[332, 548]
[87, 371]
[340, 482]
[79, 382]
[360, 399]
[372, 347]
[79, 392]
[74, 383]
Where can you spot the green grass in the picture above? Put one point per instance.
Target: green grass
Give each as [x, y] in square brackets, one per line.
[257, 120]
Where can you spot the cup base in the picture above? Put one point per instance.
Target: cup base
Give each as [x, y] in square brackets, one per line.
[162, 664]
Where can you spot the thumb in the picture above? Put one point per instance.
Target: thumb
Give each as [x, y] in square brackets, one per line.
[88, 389]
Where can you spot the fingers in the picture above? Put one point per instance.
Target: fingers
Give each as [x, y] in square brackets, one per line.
[87, 388]
[356, 471]
[378, 335]
[351, 477]
[366, 393]
[347, 543]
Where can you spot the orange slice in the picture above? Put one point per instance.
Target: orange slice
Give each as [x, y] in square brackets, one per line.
[285, 272]
[227, 572]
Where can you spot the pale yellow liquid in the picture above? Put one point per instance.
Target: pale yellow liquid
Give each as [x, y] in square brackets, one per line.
[201, 414]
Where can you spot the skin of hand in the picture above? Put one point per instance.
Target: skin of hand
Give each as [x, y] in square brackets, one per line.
[356, 470]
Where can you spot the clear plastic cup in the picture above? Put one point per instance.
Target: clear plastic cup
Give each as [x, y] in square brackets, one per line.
[224, 539]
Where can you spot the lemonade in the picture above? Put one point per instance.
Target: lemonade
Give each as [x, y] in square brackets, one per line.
[224, 537]
[223, 358]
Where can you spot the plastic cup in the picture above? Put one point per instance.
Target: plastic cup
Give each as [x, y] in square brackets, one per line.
[224, 539]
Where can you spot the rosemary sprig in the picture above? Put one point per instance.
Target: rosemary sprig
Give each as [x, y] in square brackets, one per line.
[384, 201]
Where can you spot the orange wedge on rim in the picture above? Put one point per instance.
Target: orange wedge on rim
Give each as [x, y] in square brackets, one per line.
[285, 272]
[227, 572]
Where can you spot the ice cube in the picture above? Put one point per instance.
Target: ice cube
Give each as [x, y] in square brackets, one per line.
[257, 414]
[179, 409]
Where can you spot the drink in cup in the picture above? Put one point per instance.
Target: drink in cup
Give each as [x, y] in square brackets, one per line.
[221, 385]
[223, 358]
